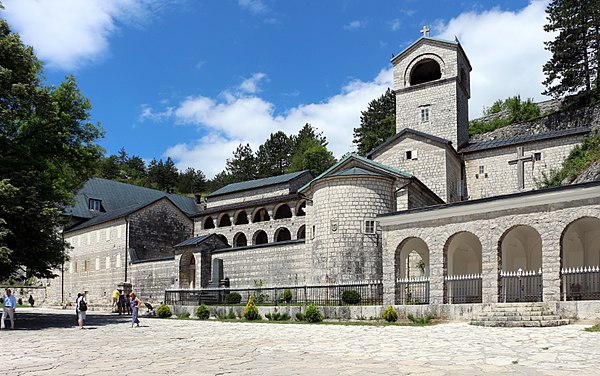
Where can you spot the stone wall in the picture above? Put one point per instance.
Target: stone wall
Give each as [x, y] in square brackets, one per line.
[282, 264]
[150, 279]
[501, 178]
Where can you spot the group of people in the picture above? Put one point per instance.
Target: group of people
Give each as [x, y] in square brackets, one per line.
[129, 303]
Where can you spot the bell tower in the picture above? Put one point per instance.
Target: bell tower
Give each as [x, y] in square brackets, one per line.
[432, 86]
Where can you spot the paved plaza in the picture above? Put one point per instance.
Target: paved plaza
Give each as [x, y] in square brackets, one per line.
[47, 342]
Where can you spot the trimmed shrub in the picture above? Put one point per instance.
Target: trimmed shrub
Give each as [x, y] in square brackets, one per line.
[31, 300]
[233, 298]
[183, 315]
[20, 301]
[287, 295]
[202, 312]
[389, 314]
[300, 316]
[313, 314]
[251, 311]
[350, 297]
[164, 312]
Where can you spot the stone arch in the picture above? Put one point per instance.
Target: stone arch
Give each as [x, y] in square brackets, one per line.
[260, 215]
[260, 237]
[187, 271]
[462, 268]
[239, 240]
[282, 211]
[241, 218]
[428, 59]
[301, 232]
[580, 243]
[520, 265]
[407, 258]
[282, 234]
[224, 220]
[208, 223]
[520, 247]
[223, 238]
[462, 254]
[301, 208]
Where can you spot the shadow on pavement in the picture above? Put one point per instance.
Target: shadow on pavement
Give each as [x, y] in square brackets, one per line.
[47, 320]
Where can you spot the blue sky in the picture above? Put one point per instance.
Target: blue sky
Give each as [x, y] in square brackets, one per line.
[192, 79]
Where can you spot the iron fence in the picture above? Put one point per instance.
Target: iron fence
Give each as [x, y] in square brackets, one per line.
[521, 286]
[370, 292]
[412, 290]
[582, 283]
[461, 289]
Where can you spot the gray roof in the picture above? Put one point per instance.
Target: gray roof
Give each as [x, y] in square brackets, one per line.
[356, 171]
[193, 241]
[258, 183]
[119, 196]
[494, 144]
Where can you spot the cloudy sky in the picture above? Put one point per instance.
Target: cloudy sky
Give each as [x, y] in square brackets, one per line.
[191, 79]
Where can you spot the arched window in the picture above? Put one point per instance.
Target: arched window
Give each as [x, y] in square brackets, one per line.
[301, 232]
[239, 240]
[425, 71]
[282, 235]
[224, 221]
[260, 237]
[301, 210]
[261, 215]
[223, 238]
[208, 223]
[283, 211]
[241, 218]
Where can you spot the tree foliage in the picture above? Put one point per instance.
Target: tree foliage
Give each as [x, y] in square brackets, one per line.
[510, 111]
[377, 123]
[573, 66]
[48, 151]
[273, 157]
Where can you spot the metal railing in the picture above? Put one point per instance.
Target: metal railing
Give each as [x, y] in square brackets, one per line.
[461, 289]
[582, 283]
[521, 286]
[412, 290]
[371, 293]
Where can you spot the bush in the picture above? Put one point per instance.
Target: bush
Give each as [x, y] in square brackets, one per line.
[251, 311]
[31, 300]
[20, 301]
[312, 314]
[233, 298]
[389, 314]
[164, 312]
[423, 320]
[300, 316]
[287, 295]
[231, 315]
[350, 297]
[183, 315]
[202, 312]
[276, 316]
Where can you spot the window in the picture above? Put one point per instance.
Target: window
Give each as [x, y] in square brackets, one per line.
[481, 169]
[312, 233]
[537, 156]
[94, 205]
[424, 114]
[369, 226]
[409, 154]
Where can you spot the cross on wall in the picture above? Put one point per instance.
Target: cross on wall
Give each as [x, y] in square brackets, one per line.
[520, 162]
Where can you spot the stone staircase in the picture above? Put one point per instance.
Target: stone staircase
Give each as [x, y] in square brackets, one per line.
[512, 315]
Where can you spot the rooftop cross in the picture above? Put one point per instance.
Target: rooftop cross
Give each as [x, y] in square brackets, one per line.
[425, 31]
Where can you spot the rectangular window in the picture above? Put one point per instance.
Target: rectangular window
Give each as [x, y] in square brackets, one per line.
[107, 262]
[369, 226]
[537, 156]
[409, 154]
[424, 114]
[312, 233]
[481, 169]
[94, 205]
[97, 263]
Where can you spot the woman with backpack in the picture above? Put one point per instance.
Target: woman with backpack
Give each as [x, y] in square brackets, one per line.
[80, 309]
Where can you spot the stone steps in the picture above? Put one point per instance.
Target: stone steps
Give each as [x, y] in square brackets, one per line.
[513, 315]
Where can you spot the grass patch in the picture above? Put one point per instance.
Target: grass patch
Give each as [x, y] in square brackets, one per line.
[595, 328]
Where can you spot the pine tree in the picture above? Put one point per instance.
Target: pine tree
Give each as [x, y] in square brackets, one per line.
[573, 67]
[273, 157]
[243, 165]
[377, 123]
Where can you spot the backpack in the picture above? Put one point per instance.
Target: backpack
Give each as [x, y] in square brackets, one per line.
[82, 305]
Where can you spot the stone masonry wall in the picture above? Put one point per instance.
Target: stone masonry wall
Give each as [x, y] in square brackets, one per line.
[341, 251]
[549, 220]
[150, 279]
[282, 264]
[501, 178]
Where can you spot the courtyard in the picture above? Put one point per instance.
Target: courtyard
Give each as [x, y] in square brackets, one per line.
[47, 342]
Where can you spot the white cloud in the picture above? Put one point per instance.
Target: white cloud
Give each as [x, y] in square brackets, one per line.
[239, 118]
[68, 34]
[354, 25]
[254, 6]
[250, 85]
[395, 24]
[506, 51]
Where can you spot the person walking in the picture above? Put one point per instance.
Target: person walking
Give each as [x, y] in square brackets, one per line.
[10, 306]
[136, 303]
[80, 309]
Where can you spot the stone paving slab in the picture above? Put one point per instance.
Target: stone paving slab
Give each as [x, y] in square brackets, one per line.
[47, 342]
